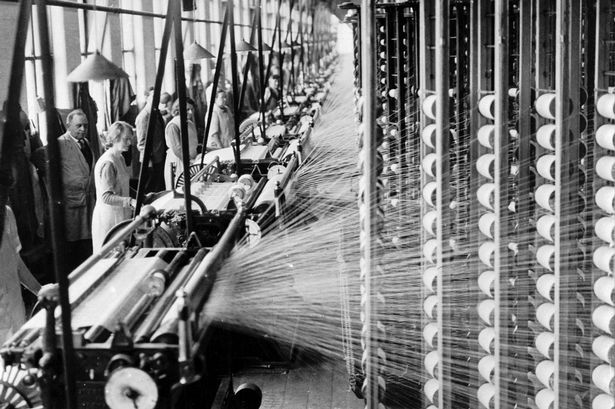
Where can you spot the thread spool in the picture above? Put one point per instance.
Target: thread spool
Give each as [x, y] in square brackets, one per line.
[545, 196]
[237, 191]
[545, 256]
[545, 342]
[429, 305]
[545, 286]
[486, 106]
[605, 168]
[429, 278]
[429, 135]
[486, 253]
[429, 106]
[545, 225]
[485, 165]
[544, 399]
[430, 332]
[485, 195]
[431, 388]
[544, 372]
[486, 224]
[247, 181]
[602, 376]
[431, 363]
[603, 318]
[545, 136]
[605, 229]
[604, 348]
[486, 339]
[486, 135]
[429, 164]
[545, 105]
[545, 166]
[606, 105]
[429, 250]
[605, 136]
[603, 288]
[486, 282]
[604, 258]
[486, 394]
[429, 222]
[486, 309]
[486, 367]
[605, 197]
[544, 314]
[429, 193]
[603, 401]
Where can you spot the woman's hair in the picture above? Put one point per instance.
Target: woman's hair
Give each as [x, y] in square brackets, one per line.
[116, 131]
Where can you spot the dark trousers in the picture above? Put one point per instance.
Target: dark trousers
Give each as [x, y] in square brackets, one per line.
[155, 178]
[77, 252]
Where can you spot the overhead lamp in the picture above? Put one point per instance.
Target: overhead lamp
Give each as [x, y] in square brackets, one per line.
[285, 44]
[196, 52]
[243, 46]
[96, 68]
[266, 47]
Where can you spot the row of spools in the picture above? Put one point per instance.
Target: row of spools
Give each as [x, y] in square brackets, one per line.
[603, 315]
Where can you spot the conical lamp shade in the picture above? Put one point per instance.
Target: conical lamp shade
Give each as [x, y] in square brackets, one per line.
[196, 52]
[244, 46]
[266, 47]
[96, 68]
[285, 44]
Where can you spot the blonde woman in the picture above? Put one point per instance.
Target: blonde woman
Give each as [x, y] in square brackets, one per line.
[111, 177]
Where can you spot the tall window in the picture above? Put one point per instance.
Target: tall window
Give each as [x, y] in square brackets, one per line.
[34, 79]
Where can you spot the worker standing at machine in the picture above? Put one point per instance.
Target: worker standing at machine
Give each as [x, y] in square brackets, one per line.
[221, 129]
[78, 187]
[112, 177]
[172, 136]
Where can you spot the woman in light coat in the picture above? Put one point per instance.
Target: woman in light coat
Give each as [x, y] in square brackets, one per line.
[111, 177]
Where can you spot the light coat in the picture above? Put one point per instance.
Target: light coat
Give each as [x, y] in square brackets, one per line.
[78, 190]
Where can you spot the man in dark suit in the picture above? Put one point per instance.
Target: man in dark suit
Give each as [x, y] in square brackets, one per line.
[79, 193]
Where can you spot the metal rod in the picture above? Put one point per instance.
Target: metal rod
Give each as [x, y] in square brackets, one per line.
[525, 234]
[154, 118]
[56, 210]
[214, 86]
[180, 74]
[503, 378]
[565, 192]
[370, 332]
[444, 283]
[235, 83]
[117, 10]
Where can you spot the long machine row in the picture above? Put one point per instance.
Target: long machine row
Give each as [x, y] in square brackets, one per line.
[498, 123]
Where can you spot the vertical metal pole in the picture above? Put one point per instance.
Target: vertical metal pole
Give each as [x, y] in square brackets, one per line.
[525, 208]
[154, 113]
[214, 87]
[565, 192]
[442, 52]
[235, 80]
[368, 53]
[56, 208]
[502, 263]
[183, 114]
